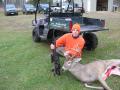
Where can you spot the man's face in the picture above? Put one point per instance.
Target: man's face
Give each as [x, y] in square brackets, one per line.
[75, 33]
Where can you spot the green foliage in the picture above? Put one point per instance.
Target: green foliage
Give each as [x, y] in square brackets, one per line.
[0, 1]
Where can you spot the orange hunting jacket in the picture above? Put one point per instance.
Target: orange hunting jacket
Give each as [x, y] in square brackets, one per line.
[73, 45]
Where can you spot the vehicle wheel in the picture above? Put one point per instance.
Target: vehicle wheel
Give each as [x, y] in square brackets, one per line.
[35, 36]
[91, 41]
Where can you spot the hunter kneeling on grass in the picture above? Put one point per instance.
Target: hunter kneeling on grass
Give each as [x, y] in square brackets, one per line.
[70, 45]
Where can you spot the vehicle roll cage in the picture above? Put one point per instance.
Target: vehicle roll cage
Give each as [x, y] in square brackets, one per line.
[61, 14]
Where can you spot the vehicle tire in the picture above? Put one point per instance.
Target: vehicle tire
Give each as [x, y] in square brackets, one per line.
[91, 41]
[35, 36]
[17, 13]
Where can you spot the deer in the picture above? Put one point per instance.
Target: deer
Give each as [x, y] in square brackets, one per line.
[98, 70]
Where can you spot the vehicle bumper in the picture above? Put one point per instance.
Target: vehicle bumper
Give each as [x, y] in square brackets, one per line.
[12, 13]
[30, 11]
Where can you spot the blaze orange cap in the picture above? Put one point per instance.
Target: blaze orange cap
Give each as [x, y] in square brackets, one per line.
[76, 26]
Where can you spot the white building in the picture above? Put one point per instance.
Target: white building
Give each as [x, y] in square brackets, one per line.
[95, 5]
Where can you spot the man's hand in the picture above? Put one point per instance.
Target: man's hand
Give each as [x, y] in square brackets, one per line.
[69, 56]
[52, 46]
[66, 53]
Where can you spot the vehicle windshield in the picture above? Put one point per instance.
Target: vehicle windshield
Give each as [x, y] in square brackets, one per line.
[29, 6]
[44, 5]
[10, 6]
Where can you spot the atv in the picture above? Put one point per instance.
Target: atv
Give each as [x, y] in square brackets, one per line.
[58, 21]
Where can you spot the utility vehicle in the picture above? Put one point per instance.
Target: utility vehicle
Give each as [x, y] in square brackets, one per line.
[56, 23]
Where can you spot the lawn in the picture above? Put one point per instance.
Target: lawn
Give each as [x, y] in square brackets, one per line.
[25, 65]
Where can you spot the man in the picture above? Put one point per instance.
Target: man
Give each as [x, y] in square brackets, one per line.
[70, 45]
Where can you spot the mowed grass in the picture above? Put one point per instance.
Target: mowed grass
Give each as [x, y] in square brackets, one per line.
[25, 65]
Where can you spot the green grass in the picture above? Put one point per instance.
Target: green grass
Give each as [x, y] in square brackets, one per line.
[25, 65]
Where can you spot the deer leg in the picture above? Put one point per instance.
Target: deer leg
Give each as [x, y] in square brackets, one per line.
[116, 71]
[93, 87]
[104, 84]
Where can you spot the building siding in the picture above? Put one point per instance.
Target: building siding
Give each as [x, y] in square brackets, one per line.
[90, 5]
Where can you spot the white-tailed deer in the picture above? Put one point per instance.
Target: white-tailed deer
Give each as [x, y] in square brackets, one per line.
[97, 70]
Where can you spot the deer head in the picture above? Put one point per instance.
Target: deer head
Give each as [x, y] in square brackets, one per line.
[68, 64]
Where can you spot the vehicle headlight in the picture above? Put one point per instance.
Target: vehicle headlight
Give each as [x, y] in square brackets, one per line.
[44, 8]
[7, 10]
[27, 9]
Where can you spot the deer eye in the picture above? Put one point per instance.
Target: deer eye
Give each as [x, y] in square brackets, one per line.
[69, 63]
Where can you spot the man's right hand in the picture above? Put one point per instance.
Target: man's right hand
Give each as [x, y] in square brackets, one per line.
[69, 56]
[52, 46]
[66, 53]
